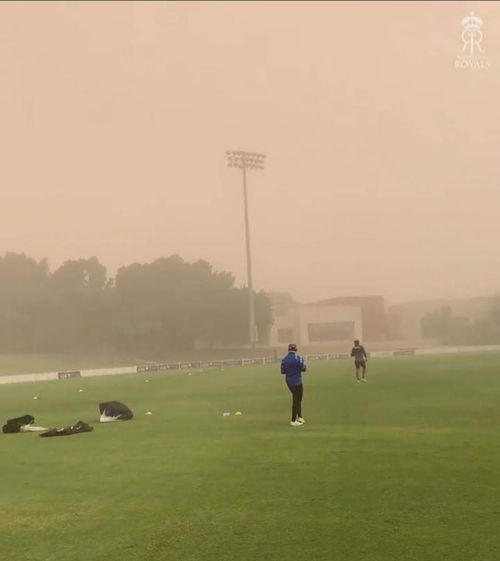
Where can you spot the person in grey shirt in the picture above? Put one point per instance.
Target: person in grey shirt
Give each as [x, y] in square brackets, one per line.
[360, 359]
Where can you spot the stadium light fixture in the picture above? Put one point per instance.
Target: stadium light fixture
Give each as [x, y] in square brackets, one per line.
[244, 161]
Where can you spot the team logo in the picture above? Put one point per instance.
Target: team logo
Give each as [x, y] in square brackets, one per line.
[472, 54]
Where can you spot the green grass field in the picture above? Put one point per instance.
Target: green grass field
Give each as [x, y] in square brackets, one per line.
[405, 467]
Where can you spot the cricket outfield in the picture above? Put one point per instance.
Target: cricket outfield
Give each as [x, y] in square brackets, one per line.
[402, 468]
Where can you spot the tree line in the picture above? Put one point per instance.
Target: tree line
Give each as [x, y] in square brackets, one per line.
[168, 304]
[450, 329]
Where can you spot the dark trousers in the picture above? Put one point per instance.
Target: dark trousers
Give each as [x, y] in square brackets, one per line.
[297, 393]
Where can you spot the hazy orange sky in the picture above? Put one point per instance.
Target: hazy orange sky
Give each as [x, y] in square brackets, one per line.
[383, 159]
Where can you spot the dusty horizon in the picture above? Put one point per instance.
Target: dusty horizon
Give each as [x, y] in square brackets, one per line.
[380, 176]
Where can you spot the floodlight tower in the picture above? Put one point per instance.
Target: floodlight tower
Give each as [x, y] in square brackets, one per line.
[244, 161]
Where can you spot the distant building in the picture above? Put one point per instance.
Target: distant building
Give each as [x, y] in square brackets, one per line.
[372, 313]
[327, 321]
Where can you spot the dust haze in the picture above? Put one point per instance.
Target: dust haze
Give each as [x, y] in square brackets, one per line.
[382, 157]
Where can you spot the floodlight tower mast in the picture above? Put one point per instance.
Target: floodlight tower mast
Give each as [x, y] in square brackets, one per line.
[244, 161]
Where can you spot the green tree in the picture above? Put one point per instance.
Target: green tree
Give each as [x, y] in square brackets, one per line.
[23, 301]
[168, 304]
[79, 314]
[447, 328]
[172, 304]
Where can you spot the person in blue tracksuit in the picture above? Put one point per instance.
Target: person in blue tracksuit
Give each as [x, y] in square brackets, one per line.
[292, 366]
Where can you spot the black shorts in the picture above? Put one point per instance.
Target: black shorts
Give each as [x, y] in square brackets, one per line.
[360, 363]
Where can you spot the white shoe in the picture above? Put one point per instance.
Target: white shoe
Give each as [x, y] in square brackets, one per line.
[363, 379]
[295, 424]
[358, 380]
[301, 420]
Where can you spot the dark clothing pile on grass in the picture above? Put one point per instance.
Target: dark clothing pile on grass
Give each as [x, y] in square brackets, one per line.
[77, 428]
[21, 424]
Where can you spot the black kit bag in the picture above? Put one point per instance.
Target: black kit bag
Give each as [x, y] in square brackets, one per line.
[116, 409]
[14, 425]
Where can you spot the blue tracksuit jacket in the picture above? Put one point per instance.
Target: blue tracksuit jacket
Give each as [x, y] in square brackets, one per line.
[292, 366]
